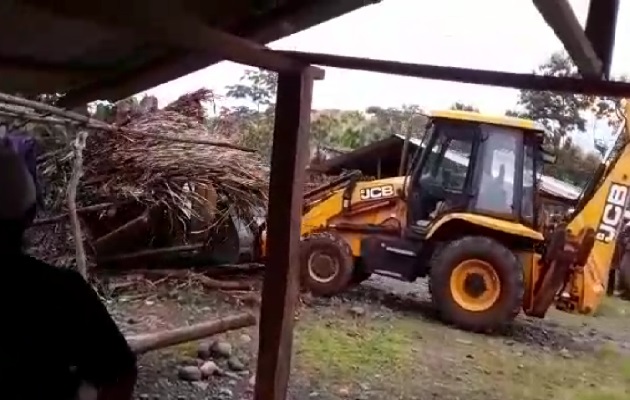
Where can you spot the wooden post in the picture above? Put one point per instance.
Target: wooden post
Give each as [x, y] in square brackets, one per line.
[281, 283]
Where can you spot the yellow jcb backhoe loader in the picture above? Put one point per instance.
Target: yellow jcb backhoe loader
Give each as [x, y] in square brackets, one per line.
[465, 216]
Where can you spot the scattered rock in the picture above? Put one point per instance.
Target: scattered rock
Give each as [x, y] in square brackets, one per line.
[235, 364]
[189, 361]
[464, 341]
[221, 349]
[566, 353]
[201, 385]
[245, 339]
[143, 396]
[132, 321]
[189, 373]
[252, 380]
[225, 392]
[357, 311]
[230, 374]
[344, 391]
[203, 351]
[209, 368]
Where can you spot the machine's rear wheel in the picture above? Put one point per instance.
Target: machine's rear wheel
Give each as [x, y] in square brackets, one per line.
[476, 284]
[326, 263]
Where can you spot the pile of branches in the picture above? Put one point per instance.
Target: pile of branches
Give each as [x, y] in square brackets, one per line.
[130, 165]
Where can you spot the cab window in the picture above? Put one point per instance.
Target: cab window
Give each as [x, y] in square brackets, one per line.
[496, 193]
[529, 187]
[447, 163]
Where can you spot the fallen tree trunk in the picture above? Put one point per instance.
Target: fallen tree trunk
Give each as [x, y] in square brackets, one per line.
[123, 237]
[63, 217]
[153, 341]
[149, 253]
[206, 281]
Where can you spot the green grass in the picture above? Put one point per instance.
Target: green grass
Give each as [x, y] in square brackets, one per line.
[614, 308]
[406, 357]
[351, 349]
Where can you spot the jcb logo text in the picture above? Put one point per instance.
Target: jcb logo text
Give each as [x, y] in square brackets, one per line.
[614, 213]
[377, 192]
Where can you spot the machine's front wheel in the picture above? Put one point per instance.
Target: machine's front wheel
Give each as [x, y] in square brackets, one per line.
[476, 284]
[326, 263]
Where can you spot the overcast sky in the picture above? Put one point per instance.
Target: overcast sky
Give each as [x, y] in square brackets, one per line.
[506, 35]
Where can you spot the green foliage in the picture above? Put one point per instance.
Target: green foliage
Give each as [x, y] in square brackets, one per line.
[336, 128]
[562, 114]
[464, 107]
[253, 121]
[349, 349]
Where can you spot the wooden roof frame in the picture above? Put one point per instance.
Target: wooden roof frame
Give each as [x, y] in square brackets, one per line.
[201, 46]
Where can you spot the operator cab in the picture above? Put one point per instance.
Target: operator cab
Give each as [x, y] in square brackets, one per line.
[472, 163]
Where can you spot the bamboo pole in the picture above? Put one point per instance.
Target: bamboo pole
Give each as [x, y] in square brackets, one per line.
[153, 341]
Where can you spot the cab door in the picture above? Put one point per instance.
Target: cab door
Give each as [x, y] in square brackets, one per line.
[441, 180]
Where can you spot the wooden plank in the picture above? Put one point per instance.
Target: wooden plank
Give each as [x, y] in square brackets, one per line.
[281, 283]
[562, 20]
[173, 26]
[284, 20]
[588, 86]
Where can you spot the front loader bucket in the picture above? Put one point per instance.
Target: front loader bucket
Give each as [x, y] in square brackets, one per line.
[233, 241]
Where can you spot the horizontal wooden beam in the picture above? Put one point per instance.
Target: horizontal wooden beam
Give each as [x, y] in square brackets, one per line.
[585, 86]
[562, 20]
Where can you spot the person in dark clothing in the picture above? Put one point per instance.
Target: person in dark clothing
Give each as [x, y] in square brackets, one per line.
[26, 147]
[58, 336]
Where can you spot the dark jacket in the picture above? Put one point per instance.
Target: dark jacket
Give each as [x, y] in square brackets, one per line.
[60, 334]
[26, 147]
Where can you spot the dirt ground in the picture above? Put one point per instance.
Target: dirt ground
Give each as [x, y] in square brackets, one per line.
[379, 341]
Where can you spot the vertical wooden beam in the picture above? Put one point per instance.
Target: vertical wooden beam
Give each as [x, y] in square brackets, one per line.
[281, 283]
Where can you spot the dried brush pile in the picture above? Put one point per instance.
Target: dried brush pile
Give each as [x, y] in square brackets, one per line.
[131, 166]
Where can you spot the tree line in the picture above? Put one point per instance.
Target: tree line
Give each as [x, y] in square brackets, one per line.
[561, 114]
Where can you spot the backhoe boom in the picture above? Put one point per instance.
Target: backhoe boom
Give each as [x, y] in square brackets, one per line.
[604, 208]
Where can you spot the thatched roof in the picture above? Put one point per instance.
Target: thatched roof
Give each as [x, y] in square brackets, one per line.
[86, 49]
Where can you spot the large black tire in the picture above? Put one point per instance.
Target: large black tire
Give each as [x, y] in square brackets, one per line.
[504, 265]
[327, 252]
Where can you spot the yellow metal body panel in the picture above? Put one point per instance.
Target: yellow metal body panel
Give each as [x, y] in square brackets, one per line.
[531, 273]
[601, 213]
[330, 212]
[496, 224]
[521, 123]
